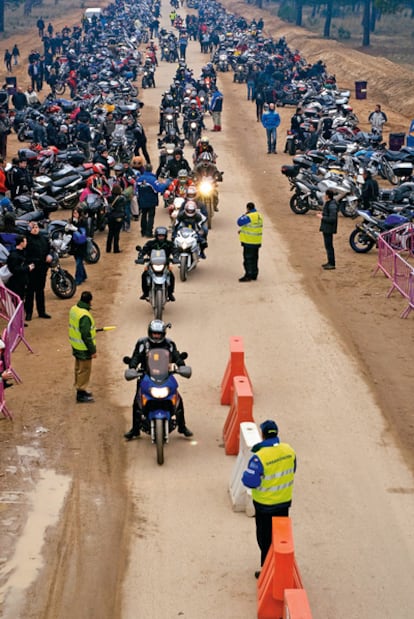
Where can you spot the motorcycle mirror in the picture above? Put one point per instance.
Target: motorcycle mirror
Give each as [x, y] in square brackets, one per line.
[168, 325]
[184, 371]
[138, 247]
[184, 355]
[126, 360]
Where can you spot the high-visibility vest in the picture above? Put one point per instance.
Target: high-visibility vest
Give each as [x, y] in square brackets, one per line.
[278, 473]
[75, 337]
[252, 232]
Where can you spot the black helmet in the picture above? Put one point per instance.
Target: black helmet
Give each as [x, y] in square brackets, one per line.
[156, 331]
[161, 231]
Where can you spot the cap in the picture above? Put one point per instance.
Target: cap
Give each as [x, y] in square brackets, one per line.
[269, 428]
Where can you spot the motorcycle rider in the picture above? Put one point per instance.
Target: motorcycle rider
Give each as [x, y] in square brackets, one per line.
[203, 146]
[179, 186]
[156, 339]
[192, 115]
[205, 168]
[160, 241]
[176, 164]
[191, 217]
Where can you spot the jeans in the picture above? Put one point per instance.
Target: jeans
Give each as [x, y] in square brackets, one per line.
[271, 140]
[80, 273]
[250, 91]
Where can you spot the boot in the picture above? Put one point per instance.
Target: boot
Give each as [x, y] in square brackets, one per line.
[133, 433]
[218, 128]
[84, 396]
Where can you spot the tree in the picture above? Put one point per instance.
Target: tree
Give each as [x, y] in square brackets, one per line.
[366, 23]
[299, 10]
[328, 19]
[1, 15]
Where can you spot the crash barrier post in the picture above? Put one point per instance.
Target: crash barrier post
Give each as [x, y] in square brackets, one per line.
[235, 367]
[3, 407]
[241, 410]
[296, 605]
[279, 571]
[240, 496]
[390, 261]
[361, 90]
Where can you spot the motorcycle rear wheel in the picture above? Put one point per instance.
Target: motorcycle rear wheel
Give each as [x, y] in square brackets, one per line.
[60, 89]
[21, 135]
[291, 147]
[360, 242]
[183, 268]
[389, 173]
[158, 306]
[159, 440]
[63, 284]
[298, 206]
[93, 253]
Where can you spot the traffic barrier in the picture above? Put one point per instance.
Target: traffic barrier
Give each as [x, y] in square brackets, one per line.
[235, 367]
[3, 407]
[240, 496]
[279, 571]
[296, 605]
[391, 245]
[241, 410]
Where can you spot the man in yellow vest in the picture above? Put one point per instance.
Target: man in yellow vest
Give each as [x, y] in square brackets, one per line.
[250, 234]
[82, 337]
[270, 474]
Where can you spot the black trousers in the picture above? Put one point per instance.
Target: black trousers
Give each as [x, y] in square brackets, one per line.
[114, 229]
[36, 288]
[147, 220]
[250, 260]
[264, 527]
[330, 252]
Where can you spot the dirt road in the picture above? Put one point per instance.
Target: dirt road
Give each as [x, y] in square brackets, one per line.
[92, 527]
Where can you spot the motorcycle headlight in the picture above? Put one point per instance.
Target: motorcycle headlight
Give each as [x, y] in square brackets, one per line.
[205, 188]
[160, 393]
[193, 125]
[169, 117]
[158, 268]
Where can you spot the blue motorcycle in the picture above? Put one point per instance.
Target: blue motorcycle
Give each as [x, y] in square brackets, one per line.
[157, 400]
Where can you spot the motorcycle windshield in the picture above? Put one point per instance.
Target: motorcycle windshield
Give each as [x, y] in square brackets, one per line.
[158, 364]
[158, 258]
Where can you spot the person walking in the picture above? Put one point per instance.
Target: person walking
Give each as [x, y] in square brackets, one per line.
[82, 338]
[116, 216]
[15, 54]
[5, 129]
[328, 227]
[8, 60]
[216, 107]
[147, 189]
[271, 121]
[270, 475]
[377, 118]
[79, 244]
[38, 253]
[250, 235]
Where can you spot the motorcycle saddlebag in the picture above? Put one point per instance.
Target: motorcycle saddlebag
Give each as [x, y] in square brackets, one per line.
[303, 161]
[402, 169]
[48, 204]
[290, 170]
[75, 157]
[339, 149]
[23, 204]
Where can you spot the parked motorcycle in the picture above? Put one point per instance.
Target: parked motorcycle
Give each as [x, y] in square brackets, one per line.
[158, 277]
[158, 400]
[62, 282]
[60, 237]
[368, 230]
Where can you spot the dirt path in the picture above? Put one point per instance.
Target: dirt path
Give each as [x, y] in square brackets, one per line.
[329, 359]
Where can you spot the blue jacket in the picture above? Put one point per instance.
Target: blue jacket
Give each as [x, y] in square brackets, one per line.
[216, 103]
[270, 120]
[253, 474]
[147, 189]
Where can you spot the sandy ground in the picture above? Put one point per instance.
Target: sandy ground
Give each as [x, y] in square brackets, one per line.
[92, 527]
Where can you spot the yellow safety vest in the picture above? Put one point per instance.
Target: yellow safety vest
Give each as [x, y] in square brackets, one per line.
[252, 232]
[75, 337]
[278, 473]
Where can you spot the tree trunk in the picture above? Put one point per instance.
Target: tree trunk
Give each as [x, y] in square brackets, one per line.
[373, 19]
[1, 15]
[366, 23]
[328, 20]
[299, 7]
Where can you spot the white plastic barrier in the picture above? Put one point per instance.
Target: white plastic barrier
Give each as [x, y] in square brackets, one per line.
[240, 496]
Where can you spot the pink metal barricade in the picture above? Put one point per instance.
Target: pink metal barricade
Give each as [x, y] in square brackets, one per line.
[8, 302]
[390, 261]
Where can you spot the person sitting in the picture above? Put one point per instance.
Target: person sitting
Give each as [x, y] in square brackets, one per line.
[191, 217]
[176, 164]
[204, 146]
[160, 241]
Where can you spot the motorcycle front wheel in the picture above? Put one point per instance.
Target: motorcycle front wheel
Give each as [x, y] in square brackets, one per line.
[158, 305]
[298, 206]
[63, 284]
[360, 242]
[389, 173]
[93, 253]
[21, 135]
[159, 440]
[347, 209]
[60, 89]
[183, 268]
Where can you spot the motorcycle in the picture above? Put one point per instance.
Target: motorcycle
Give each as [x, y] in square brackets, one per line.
[62, 282]
[187, 244]
[158, 400]
[367, 231]
[158, 277]
[193, 132]
[208, 197]
[60, 237]
[65, 191]
[148, 79]
[94, 208]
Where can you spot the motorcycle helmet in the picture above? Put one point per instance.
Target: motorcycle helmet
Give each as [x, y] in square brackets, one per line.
[156, 331]
[99, 168]
[204, 141]
[193, 102]
[182, 176]
[161, 231]
[190, 208]
[111, 161]
[118, 167]
[191, 192]
[137, 161]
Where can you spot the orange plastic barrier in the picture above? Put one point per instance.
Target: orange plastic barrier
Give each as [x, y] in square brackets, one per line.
[296, 605]
[235, 367]
[241, 410]
[279, 572]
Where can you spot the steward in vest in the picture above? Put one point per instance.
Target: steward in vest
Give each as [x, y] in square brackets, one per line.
[82, 338]
[250, 234]
[270, 474]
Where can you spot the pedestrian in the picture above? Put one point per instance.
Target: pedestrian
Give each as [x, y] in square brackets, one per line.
[38, 253]
[116, 216]
[328, 227]
[216, 107]
[270, 475]
[147, 189]
[5, 129]
[271, 121]
[15, 54]
[369, 190]
[82, 337]
[8, 60]
[250, 235]
[377, 118]
[19, 100]
[259, 99]
[79, 242]
[41, 27]
[19, 268]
